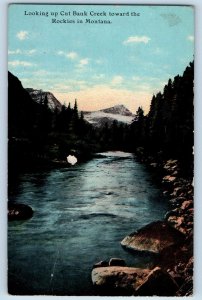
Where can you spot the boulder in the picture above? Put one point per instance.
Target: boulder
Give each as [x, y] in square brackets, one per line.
[117, 280]
[176, 221]
[117, 262]
[177, 201]
[173, 212]
[19, 212]
[171, 165]
[187, 204]
[71, 159]
[170, 162]
[157, 283]
[112, 262]
[168, 179]
[122, 281]
[102, 263]
[178, 191]
[154, 237]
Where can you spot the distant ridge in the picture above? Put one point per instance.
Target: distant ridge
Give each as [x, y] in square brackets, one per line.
[39, 95]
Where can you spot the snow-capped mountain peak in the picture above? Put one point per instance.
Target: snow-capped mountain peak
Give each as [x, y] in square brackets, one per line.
[39, 95]
[119, 109]
[117, 113]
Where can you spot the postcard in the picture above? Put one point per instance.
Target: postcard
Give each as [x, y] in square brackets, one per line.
[100, 149]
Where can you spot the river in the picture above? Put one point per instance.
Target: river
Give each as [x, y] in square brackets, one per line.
[81, 213]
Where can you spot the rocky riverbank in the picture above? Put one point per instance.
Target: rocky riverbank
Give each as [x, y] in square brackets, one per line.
[171, 240]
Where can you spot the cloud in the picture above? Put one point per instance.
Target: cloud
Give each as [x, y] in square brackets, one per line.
[22, 35]
[42, 73]
[190, 38]
[61, 52]
[17, 63]
[22, 52]
[32, 82]
[31, 52]
[13, 52]
[69, 85]
[137, 39]
[61, 87]
[70, 55]
[83, 62]
[117, 80]
[99, 61]
[148, 84]
[146, 79]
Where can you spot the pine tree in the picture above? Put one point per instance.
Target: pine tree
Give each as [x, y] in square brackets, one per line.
[81, 116]
[76, 110]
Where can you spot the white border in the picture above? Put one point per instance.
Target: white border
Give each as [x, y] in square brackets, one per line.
[3, 143]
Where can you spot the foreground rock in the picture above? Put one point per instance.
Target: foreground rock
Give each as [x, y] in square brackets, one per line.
[19, 212]
[154, 237]
[133, 281]
[158, 283]
[117, 280]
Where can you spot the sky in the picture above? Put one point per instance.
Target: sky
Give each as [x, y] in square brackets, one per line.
[123, 61]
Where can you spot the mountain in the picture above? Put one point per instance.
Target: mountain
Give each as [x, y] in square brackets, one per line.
[118, 109]
[39, 96]
[117, 113]
[22, 110]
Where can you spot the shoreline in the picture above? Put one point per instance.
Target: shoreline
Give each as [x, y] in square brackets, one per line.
[174, 263]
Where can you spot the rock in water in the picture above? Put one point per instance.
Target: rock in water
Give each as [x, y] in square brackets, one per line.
[112, 262]
[124, 281]
[117, 262]
[154, 237]
[100, 264]
[71, 159]
[114, 280]
[19, 212]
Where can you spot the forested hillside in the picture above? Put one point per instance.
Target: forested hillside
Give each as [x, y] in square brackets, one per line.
[167, 130]
[38, 134]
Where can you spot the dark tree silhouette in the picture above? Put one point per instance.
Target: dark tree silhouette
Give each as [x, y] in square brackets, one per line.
[168, 127]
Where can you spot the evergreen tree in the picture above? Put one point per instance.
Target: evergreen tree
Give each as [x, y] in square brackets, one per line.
[138, 129]
[81, 116]
[76, 110]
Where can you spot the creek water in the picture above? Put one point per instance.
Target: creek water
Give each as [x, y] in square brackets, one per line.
[81, 213]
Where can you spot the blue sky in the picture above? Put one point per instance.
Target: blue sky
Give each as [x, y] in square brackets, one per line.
[124, 62]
